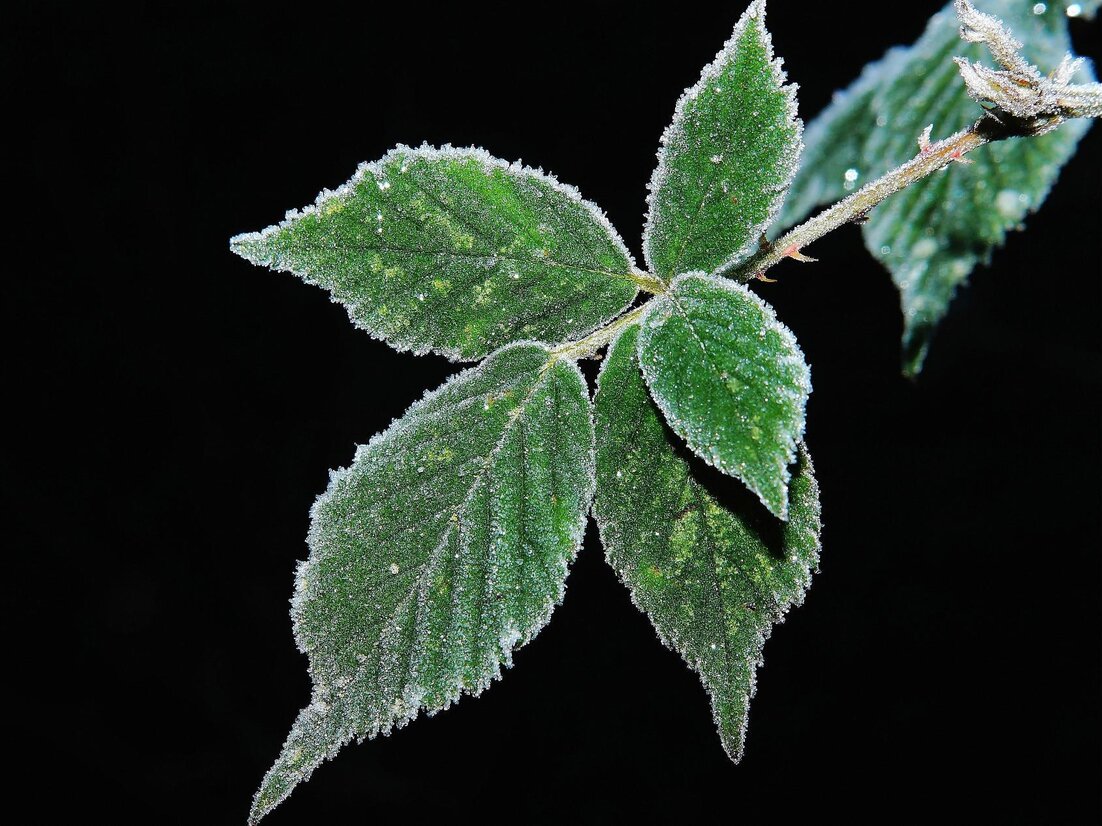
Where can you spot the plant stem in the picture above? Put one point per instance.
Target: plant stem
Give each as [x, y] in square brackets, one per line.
[588, 346]
[650, 283]
[930, 158]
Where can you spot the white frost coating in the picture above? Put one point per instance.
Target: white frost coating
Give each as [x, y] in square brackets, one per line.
[1019, 88]
[488, 161]
[660, 309]
[312, 720]
[754, 14]
[611, 535]
[377, 169]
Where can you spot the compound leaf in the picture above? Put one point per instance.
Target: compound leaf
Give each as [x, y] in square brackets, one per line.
[710, 567]
[440, 550]
[454, 251]
[729, 378]
[726, 159]
[931, 235]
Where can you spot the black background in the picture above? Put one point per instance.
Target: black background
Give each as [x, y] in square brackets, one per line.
[177, 411]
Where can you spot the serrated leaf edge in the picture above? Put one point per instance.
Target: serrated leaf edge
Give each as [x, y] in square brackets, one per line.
[663, 305]
[755, 13]
[239, 243]
[511, 641]
[762, 635]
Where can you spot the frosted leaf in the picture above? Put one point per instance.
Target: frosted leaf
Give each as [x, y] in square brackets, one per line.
[454, 251]
[440, 550]
[710, 567]
[730, 380]
[726, 159]
[931, 235]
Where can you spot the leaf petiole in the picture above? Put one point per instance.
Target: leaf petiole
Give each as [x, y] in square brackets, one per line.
[587, 347]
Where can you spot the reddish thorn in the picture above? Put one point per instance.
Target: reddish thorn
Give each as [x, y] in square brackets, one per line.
[794, 252]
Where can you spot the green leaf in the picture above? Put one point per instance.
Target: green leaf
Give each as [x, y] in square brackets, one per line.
[709, 566]
[931, 235]
[726, 159]
[454, 251]
[442, 549]
[729, 378]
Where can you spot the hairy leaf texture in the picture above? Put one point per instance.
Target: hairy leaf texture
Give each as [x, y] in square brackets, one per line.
[454, 251]
[726, 159]
[438, 552]
[712, 569]
[729, 378]
[931, 235]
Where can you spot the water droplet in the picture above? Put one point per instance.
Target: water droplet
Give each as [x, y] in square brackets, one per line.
[1007, 203]
[851, 175]
[1074, 10]
[1039, 8]
[924, 248]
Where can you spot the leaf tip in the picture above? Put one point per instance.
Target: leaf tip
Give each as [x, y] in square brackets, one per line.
[248, 245]
[734, 744]
[776, 499]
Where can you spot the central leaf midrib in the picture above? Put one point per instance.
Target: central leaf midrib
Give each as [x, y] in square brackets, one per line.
[453, 522]
[481, 233]
[715, 371]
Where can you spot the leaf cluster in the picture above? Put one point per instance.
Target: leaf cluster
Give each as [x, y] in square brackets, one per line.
[446, 543]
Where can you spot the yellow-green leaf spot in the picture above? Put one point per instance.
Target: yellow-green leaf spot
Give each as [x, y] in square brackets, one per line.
[730, 380]
[734, 569]
[438, 552]
[726, 159]
[454, 251]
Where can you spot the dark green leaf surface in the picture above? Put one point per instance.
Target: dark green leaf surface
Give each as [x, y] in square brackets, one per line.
[454, 251]
[710, 567]
[932, 234]
[729, 378]
[440, 550]
[726, 159]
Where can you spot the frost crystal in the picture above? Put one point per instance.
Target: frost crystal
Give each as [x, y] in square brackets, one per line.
[872, 126]
[455, 251]
[730, 380]
[726, 159]
[442, 548]
[710, 567]
[1019, 90]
